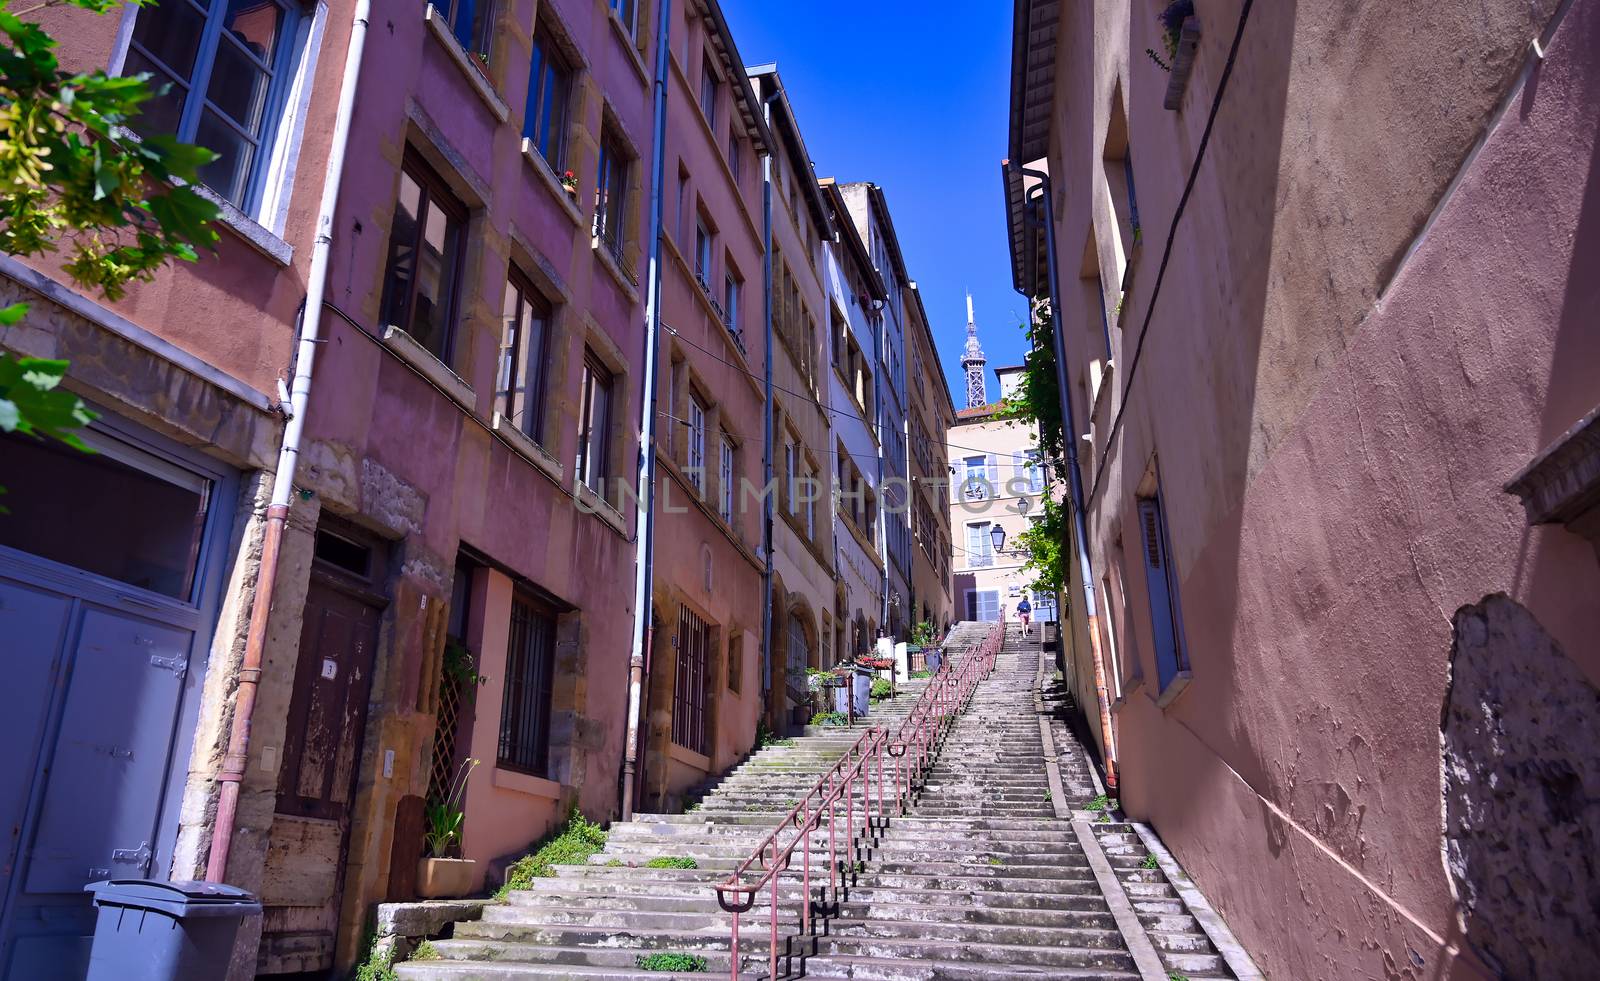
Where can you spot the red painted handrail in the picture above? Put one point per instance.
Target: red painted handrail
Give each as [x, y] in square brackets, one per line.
[911, 747]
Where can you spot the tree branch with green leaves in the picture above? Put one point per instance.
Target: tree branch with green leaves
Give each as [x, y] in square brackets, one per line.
[75, 181]
[1035, 402]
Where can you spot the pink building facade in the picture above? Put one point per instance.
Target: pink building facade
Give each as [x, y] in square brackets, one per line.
[1339, 474]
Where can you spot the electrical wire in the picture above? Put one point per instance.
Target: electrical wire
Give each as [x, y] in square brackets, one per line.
[1166, 252]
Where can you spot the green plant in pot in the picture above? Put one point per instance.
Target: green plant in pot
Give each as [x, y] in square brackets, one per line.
[442, 873]
[1172, 18]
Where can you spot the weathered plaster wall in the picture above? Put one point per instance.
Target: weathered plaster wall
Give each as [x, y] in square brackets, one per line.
[1332, 435]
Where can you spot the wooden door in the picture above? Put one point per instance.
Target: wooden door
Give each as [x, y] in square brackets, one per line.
[317, 781]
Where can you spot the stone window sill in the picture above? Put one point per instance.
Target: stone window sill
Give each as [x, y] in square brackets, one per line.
[689, 757]
[525, 783]
[609, 261]
[405, 347]
[547, 177]
[1177, 686]
[528, 449]
[592, 503]
[475, 77]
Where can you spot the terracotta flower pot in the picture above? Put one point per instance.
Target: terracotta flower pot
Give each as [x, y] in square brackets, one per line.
[444, 878]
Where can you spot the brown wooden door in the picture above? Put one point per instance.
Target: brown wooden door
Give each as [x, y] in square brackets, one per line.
[317, 781]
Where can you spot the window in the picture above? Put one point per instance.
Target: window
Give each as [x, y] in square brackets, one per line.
[226, 66]
[1133, 198]
[697, 443]
[725, 478]
[1105, 314]
[1030, 471]
[976, 485]
[57, 512]
[735, 663]
[709, 84]
[689, 687]
[472, 22]
[419, 287]
[702, 253]
[791, 477]
[983, 604]
[683, 208]
[627, 11]
[732, 287]
[1161, 584]
[735, 158]
[530, 667]
[594, 423]
[980, 547]
[611, 195]
[811, 502]
[544, 124]
[519, 383]
[674, 381]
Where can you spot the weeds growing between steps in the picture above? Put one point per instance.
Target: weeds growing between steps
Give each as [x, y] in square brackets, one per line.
[572, 845]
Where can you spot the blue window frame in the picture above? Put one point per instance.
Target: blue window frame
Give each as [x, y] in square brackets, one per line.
[472, 23]
[1161, 584]
[222, 68]
[544, 123]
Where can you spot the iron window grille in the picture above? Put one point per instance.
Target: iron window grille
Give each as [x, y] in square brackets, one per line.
[689, 687]
[530, 669]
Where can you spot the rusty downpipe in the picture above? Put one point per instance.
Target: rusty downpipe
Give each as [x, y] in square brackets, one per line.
[231, 774]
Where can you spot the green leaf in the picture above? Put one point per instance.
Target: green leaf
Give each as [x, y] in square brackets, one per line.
[12, 314]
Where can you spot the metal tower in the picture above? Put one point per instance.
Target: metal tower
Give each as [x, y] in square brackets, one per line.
[973, 361]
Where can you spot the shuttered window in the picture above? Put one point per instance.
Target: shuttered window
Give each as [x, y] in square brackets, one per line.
[530, 668]
[1161, 585]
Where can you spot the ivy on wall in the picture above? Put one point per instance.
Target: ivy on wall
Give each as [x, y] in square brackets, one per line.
[1035, 402]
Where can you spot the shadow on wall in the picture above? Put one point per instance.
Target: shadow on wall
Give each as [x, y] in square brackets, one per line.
[1521, 785]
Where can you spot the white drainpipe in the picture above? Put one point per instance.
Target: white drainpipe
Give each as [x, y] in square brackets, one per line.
[233, 763]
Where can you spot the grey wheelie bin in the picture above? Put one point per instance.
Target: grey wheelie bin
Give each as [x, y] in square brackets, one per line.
[150, 930]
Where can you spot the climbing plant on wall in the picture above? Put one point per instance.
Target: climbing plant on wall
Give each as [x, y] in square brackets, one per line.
[1034, 402]
[74, 182]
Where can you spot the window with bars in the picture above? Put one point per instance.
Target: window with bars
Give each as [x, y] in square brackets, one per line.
[225, 67]
[519, 382]
[696, 470]
[420, 283]
[689, 687]
[594, 421]
[725, 478]
[530, 669]
[544, 123]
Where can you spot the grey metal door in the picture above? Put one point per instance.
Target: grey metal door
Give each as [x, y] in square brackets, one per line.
[97, 678]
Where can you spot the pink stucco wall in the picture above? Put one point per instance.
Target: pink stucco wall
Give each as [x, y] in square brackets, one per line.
[1333, 422]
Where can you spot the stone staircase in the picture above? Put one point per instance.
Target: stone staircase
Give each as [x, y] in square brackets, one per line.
[979, 880]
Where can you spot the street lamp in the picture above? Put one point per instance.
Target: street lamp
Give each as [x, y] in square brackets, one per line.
[997, 535]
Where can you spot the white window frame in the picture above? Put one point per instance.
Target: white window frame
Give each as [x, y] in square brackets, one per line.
[725, 453]
[696, 469]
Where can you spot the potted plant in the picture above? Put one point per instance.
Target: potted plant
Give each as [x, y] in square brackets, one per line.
[1172, 18]
[569, 182]
[439, 876]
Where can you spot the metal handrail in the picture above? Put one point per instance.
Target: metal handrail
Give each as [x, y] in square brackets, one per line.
[919, 735]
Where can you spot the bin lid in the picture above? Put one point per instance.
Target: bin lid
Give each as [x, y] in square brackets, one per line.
[180, 898]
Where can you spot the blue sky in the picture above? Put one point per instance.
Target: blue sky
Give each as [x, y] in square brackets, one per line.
[913, 97]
